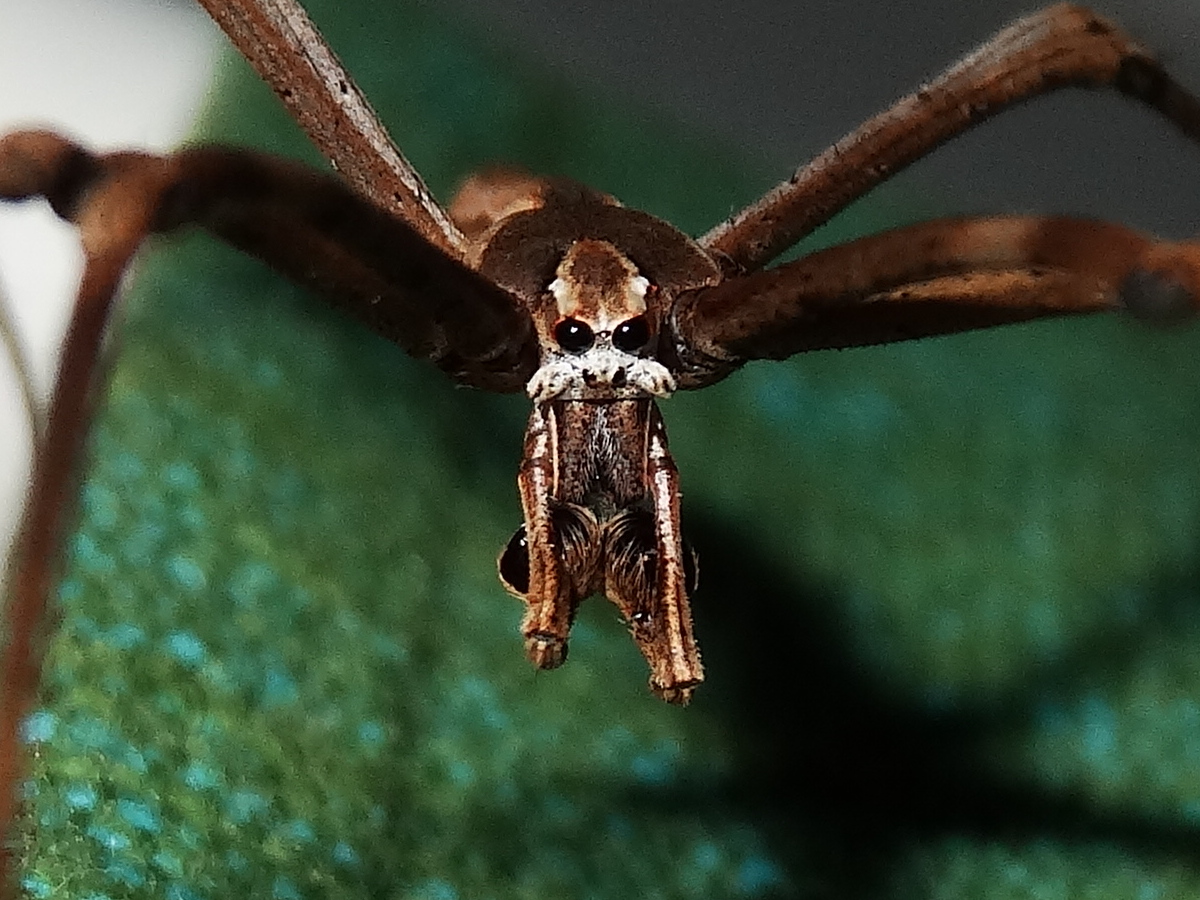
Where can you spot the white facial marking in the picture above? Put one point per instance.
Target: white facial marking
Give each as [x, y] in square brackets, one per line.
[598, 374]
[599, 286]
[561, 292]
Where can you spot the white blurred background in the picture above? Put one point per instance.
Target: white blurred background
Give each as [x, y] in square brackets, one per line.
[777, 79]
[110, 73]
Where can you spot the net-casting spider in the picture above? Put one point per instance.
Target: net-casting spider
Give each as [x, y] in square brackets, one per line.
[594, 310]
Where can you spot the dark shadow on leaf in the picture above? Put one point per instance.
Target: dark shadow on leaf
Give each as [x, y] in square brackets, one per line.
[847, 777]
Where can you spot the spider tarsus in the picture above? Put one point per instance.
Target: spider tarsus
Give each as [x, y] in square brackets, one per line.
[1157, 298]
[546, 651]
[1142, 78]
[676, 694]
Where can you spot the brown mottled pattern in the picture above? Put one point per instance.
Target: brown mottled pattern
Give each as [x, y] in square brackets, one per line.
[602, 454]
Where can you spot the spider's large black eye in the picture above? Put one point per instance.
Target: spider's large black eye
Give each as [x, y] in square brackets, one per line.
[632, 334]
[574, 336]
[514, 563]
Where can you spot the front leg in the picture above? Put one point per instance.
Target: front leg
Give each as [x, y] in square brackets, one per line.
[1061, 46]
[675, 667]
[308, 226]
[938, 277]
[647, 575]
[549, 593]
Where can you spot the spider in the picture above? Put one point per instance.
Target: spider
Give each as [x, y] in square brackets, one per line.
[545, 286]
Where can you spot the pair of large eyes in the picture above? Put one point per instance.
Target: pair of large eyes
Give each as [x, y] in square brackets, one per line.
[576, 336]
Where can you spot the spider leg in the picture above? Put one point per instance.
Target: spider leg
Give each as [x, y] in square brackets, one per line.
[1061, 46]
[551, 597]
[938, 277]
[287, 51]
[112, 226]
[308, 226]
[11, 347]
[646, 575]
[675, 667]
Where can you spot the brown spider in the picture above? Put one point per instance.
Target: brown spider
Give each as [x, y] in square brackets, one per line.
[549, 287]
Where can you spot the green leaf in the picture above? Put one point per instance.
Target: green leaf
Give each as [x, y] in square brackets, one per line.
[944, 585]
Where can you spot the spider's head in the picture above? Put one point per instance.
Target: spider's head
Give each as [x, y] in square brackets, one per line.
[598, 327]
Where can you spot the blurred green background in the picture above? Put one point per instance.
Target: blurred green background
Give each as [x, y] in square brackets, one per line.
[948, 598]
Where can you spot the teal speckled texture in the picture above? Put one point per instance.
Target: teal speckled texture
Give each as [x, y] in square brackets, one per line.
[948, 598]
